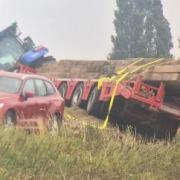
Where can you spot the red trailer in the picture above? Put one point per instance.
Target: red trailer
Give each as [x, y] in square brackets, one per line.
[136, 103]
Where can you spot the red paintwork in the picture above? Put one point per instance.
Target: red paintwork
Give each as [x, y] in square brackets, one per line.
[142, 92]
[71, 87]
[106, 91]
[57, 82]
[136, 90]
[30, 111]
[72, 84]
[128, 89]
[88, 85]
[20, 68]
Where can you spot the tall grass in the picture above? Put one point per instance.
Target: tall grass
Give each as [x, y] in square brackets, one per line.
[86, 154]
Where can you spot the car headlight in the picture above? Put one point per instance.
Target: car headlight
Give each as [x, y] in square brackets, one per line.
[1, 105]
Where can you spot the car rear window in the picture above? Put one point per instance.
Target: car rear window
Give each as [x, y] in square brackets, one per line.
[9, 84]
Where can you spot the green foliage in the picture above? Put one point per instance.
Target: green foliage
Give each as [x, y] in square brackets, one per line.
[141, 30]
[86, 154]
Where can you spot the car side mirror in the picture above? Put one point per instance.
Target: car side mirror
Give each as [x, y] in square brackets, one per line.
[29, 95]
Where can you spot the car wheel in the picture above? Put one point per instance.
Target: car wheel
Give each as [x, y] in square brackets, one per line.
[76, 98]
[55, 123]
[10, 119]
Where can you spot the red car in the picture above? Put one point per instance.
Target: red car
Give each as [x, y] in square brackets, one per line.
[27, 99]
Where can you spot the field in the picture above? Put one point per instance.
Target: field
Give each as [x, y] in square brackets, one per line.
[82, 151]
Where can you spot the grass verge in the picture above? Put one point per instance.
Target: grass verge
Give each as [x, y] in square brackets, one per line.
[86, 153]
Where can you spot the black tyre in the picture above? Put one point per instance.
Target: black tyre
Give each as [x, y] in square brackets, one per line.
[63, 89]
[165, 128]
[77, 94]
[161, 128]
[151, 125]
[102, 110]
[10, 119]
[93, 101]
[55, 124]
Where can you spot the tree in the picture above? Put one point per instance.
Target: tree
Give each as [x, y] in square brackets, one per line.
[142, 31]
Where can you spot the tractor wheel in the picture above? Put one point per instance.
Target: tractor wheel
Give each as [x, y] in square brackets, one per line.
[10, 119]
[63, 89]
[77, 94]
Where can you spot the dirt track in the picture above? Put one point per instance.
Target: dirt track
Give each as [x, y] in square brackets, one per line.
[76, 117]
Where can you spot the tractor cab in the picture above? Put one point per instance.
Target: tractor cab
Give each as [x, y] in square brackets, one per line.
[14, 50]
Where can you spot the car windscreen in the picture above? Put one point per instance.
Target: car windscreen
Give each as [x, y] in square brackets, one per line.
[9, 85]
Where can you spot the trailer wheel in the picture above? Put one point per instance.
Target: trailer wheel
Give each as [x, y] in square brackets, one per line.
[166, 128]
[161, 128]
[63, 89]
[92, 100]
[102, 110]
[76, 97]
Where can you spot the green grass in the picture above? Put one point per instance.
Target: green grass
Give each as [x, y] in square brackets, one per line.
[86, 153]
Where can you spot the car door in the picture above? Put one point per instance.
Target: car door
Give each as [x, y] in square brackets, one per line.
[28, 105]
[52, 99]
[42, 102]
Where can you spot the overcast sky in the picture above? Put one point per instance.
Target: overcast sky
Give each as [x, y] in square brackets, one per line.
[75, 29]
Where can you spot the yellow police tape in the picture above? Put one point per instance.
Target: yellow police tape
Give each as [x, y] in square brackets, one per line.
[123, 75]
